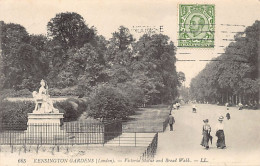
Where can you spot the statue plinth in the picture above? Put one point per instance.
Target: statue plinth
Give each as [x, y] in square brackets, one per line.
[44, 125]
[46, 118]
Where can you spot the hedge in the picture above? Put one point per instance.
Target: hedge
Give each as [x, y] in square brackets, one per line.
[12, 113]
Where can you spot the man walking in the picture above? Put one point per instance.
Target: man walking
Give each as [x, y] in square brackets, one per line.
[171, 121]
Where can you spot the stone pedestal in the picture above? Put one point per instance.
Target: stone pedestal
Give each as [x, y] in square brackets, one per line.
[44, 118]
[44, 127]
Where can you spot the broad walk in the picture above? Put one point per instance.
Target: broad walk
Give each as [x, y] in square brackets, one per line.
[242, 136]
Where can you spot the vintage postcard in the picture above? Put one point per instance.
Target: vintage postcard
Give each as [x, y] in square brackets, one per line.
[133, 82]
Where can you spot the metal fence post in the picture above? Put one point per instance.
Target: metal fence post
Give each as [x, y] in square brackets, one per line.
[10, 138]
[135, 139]
[41, 137]
[119, 140]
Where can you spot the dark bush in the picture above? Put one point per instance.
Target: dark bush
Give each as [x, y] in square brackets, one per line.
[13, 113]
[72, 108]
[108, 102]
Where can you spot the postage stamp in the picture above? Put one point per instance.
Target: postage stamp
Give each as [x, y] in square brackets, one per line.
[196, 25]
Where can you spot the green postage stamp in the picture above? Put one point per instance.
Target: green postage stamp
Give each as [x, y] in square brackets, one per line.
[196, 25]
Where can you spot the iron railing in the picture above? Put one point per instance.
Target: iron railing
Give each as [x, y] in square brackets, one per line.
[56, 134]
[132, 139]
[151, 149]
[165, 124]
[77, 133]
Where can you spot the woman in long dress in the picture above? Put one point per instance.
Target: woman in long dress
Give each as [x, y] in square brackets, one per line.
[220, 133]
[206, 134]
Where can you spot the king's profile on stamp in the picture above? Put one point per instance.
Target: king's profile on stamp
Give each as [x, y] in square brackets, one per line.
[196, 25]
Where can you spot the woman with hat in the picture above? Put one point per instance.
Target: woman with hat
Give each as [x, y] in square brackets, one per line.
[206, 134]
[220, 133]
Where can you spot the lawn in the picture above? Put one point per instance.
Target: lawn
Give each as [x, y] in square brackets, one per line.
[146, 120]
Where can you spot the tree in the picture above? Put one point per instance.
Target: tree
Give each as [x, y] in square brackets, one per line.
[70, 30]
[107, 102]
[23, 64]
[181, 77]
[157, 56]
[84, 68]
[122, 39]
[39, 42]
[233, 76]
[119, 48]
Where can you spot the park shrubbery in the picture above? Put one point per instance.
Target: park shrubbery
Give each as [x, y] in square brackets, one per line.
[72, 108]
[109, 102]
[13, 113]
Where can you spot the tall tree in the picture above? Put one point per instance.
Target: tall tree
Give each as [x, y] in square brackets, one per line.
[22, 62]
[122, 38]
[157, 54]
[70, 30]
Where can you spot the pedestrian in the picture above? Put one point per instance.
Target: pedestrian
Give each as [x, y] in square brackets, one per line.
[227, 106]
[194, 109]
[178, 105]
[228, 116]
[174, 106]
[171, 121]
[240, 106]
[171, 107]
[206, 134]
[220, 133]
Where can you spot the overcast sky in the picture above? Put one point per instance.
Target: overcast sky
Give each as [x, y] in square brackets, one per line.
[108, 15]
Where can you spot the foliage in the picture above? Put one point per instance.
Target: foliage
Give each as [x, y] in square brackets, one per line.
[17, 112]
[184, 94]
[122, 38]
[72, 108]
[12, 113]
[181, 77]
[156, 55]
[76, 61]
[70, 30]
[23, 64]
[108, 102]
[233, 76]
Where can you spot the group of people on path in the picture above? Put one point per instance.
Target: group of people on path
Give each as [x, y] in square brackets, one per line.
[206, 130]
[219, 133]
[175, 106]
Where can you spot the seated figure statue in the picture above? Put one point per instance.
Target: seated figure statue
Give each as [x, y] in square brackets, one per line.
[43, 103]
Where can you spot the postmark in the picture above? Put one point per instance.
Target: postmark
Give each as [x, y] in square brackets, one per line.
[196, 25]
[146, 29]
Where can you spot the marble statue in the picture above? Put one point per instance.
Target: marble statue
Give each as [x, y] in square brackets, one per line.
[43, 102]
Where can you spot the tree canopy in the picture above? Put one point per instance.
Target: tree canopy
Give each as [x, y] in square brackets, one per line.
[233, 76]
[74, 56]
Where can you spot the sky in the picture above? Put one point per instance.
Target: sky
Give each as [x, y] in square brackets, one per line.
[108, 15]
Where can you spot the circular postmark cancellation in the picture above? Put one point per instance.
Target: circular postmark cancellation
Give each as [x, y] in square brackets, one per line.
[196, 25]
